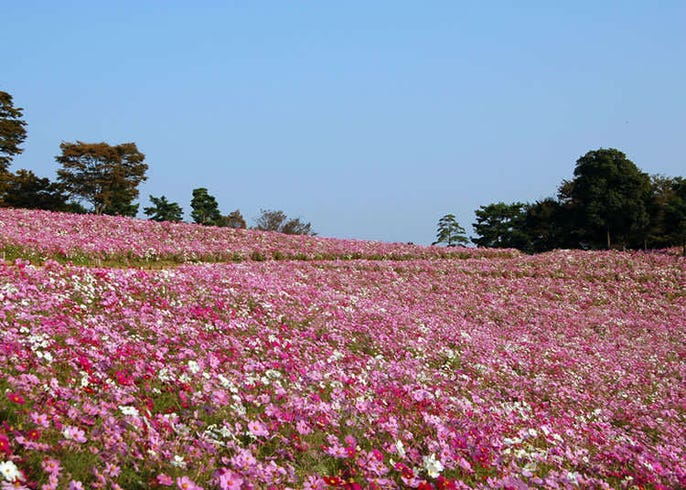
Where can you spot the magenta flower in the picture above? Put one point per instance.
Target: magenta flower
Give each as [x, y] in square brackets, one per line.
[15, 398]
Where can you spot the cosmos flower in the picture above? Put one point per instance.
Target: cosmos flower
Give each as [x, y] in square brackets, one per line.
[432, 466]
[10, 472]
[15, 398]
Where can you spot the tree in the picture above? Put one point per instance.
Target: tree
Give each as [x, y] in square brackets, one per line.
[105, 176]
[24, 189]
[270, 220]
[501, 225]
[675, 214]
[234, 220]
[163, 210]
[205, 208]
[450, 232]
[12, 131]
[546, 224]
[609, 196]
[296, 227]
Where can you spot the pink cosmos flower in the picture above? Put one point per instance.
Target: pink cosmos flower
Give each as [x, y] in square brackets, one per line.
[257, 429]
[40, 419]
[74, 433]
[185, 483]
[165, 480]
[229, 480]
[53, 479]
[302, 427]
[51, 466]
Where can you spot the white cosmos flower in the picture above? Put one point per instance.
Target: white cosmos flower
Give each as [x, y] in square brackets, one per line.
[432, 466]
[400, 448]
[178, 462]
[126, 410]
[9, 471]
[193, 367]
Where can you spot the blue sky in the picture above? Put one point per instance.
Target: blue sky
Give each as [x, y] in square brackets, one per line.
[369, 119]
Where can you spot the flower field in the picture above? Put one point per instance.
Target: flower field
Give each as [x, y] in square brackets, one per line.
[562, 370]
[114, 240]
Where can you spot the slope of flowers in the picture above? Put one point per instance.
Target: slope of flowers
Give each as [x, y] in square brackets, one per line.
[90, 239]
[562, 370]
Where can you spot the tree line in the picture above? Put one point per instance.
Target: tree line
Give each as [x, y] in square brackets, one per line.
[103, 179]
[610, 203]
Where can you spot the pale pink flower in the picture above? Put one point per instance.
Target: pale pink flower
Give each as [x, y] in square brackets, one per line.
[165, 480]
[185, 483]
[257, 428]
[228, 480]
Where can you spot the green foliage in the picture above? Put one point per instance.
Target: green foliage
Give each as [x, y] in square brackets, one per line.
[24, 189]
[105, 176]
[501, 225]
[546, 224]
[610, 202]
[205, 210]
[450, 232]
[163, 210]
[675, 213]
[270, 220]
[12, 131]
[609, 198]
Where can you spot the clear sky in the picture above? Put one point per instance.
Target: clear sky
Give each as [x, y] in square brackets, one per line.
[369, 119]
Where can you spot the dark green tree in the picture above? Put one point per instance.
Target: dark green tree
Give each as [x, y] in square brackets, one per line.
[546, 224]
[163, 210]
[276, 220]
[450, 232]
[24, 189]
[107, 177]
[501, 225]
[234, 220]
[205, 210]
[12, 131]
[609, 197]
[675, 214]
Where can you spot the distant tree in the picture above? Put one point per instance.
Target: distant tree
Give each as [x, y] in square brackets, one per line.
[661, 194]
[546, 224]
[675, 214]
[24, 189]
[450, 232]
[501, 225]
[105, 176]
[234, 220]
[296, 227]
[12, 131]
[205, 210]
[609, 197]
[163, 210]
[270, 220]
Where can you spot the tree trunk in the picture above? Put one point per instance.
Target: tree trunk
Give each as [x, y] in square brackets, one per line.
[608, 239]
